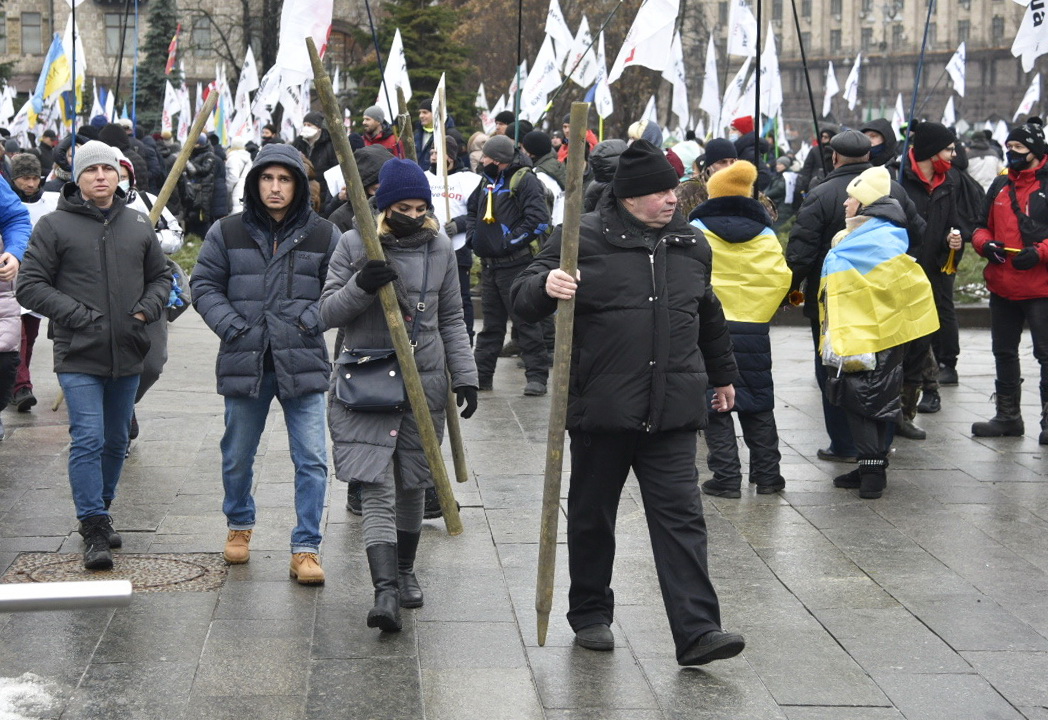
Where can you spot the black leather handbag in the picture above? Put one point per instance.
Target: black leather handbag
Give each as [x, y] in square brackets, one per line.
[370, 380]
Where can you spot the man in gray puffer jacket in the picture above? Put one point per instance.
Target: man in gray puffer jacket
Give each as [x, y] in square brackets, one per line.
[257, 284]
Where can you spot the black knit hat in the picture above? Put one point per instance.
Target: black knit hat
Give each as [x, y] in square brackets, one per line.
[505, 117]
[931, 138]
[719, 149]
[537, 143]
[643, 170]
[401, 180]
[1031, 135]
[426, 104]
[314, 118]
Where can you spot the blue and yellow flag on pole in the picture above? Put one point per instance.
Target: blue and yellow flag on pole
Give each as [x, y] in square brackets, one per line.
[875, 295]
[749, 278]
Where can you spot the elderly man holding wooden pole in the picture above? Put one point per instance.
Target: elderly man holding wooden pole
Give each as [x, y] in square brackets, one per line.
[649, 334]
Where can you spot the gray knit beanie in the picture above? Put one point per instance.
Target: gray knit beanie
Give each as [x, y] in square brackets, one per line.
[375, 113]
[91, 153]
[499, 149]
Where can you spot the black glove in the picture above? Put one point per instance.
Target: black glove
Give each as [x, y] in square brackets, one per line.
[374, 275]
[468, 396]
[1026, 259]
[994, 252]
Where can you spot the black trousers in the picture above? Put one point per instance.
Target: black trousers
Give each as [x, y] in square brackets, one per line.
[664, 464]
[467, 300]
[8, 374]
[761, 437]
[946, 341]
[871, 436]
[1007, 318]
[495, 286]
[841, 442]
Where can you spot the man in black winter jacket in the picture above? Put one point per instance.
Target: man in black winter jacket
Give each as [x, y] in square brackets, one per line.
[649, 336]
[504, 215]
[257, 285]
[819, 218]
[95, 269]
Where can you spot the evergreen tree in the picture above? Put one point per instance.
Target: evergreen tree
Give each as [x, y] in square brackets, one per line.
[163, 21]
[430, 51]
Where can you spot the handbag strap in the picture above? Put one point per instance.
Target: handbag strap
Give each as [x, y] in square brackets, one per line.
[420, 306]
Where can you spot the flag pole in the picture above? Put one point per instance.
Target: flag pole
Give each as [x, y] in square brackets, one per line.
[520, 82]
[134, 78]
[932, 91]
[72, 82]
[916, 89]
[378, 57]
[757, 125]
[807, 81]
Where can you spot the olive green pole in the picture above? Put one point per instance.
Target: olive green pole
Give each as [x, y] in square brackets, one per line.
[170, 184]
[407, 135]
[390, 307]
[558, 407]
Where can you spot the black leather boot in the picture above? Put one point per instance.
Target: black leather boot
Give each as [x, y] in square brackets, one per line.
[410, 592]
[873, 477]
[382, 559]
[1008, 422]
[848, 480]
[115, 540]
[906, 426]
[95, 531]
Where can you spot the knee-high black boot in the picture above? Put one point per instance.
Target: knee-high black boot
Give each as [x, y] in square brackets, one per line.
[410, 591]
[382, 559]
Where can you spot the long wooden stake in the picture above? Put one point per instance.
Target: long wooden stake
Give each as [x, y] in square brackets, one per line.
[407, 135]
[170, 184]
[387, 296]
[558, 410]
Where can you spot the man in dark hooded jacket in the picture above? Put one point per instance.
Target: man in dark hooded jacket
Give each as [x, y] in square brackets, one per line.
[257, 285]
[883, 142]
[370, 160]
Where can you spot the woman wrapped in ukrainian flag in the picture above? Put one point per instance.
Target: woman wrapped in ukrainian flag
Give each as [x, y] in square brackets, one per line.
[873, 299]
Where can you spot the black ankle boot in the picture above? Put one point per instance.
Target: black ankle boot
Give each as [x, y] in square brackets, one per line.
[873, 477]
[1008, 422]
[382, 559]
[410, 592]
[115, 540]
[95, 531]
[848, 480]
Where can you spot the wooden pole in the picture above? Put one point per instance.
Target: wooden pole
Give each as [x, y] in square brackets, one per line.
[407, 135]
[387, 296]
[170, 184]
[558, 410]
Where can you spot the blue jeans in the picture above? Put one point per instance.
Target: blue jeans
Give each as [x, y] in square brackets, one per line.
[99, 419]
[306, 430]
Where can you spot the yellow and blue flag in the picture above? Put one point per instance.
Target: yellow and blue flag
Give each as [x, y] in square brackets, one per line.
[54, 76]
[749, 278]
[875, 295]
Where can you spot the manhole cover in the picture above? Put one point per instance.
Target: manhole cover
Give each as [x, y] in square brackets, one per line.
[181, 572]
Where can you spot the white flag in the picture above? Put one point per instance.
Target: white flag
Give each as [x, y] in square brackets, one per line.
[581, 62]
[248, 78]
[518, 79]
[498, 107]
[170, 108]
[557, 28]
[742, 32]
[267, 96]
[898, 116]
[543, 79]
[299, 20]
[949, 114]
[675, 75]
[955, 68]
[602, 91]
[96, 106]
[771, 82]
[832, 88]
[291, 100]
[851, 85]
[7, 104]
[651, 113]
[336, 81]
[487, 120]
[1000, 133]
[395, 75]
[732, 95]
[711, 97]
[1032, 39]
[1032, 96]
[649, 40]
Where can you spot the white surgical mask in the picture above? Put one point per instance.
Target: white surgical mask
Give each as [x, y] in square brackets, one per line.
[124, 185]
[733, 135]
[309, 132]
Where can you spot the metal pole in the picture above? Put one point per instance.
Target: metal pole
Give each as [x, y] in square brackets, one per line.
[757, 126]
[378, 55]
[807, 81]
[916, 89]
[390, 306]
[558, 409]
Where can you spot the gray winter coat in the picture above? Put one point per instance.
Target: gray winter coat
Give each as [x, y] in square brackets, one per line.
[364, 443]
[263, 301]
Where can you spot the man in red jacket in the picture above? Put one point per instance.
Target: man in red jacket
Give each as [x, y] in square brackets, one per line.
[1013, 237]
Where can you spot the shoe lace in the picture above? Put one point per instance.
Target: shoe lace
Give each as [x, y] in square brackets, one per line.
[239, 534]
[307, 557]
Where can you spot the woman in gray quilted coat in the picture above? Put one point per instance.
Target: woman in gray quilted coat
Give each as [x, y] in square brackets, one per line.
[383, 451]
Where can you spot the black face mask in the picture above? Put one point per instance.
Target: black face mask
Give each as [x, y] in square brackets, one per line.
[1016, 161]
[876, 150]
[403, 225]
[491, 170]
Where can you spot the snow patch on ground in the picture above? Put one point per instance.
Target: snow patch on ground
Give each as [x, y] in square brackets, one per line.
[25, 697]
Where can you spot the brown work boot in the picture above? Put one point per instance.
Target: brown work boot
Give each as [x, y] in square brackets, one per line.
[237, 552]
[305, 568]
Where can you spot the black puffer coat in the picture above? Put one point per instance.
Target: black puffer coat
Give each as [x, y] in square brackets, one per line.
[257, 285]
[650, 335]
[822, 216]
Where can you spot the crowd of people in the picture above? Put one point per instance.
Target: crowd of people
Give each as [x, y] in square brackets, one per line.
[680, 274]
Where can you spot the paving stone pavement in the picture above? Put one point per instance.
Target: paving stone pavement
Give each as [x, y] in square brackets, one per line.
[926, 604]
